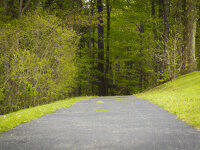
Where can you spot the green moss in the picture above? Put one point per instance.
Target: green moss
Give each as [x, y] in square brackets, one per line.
[11, 120]
[180, 96]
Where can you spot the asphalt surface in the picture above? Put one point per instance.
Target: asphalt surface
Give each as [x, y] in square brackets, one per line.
[104, 123]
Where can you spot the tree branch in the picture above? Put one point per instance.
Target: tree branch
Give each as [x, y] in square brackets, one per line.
[26, 5]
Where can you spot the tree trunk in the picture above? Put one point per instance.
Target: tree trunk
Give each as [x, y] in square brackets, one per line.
[156, 62]
[160, 36]
[198, 38]
[160, 8]
[153, 15]
[177, 40]
[166, 35]
[153, 7]
[37, 5]
[101, 84]
[20, 7]
[93, 53]
[141, 70]
[108, 46]
[89, 49]
[5, 5]
[189, 60]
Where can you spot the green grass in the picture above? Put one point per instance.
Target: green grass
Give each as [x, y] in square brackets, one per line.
[11, 120]
[180, 96]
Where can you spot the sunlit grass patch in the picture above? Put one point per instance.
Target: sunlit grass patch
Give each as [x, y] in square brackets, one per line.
[180, 96]
[11, 120]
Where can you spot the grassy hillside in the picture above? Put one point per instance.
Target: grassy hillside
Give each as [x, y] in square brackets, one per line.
[180, 96]
[11, 120]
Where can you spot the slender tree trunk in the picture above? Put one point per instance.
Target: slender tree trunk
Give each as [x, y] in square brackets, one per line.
[153, 7]
[153, 15]
[12, 9]
[166, 34]
[5, 5]
[93, 52]
[141, 70]
[198, 37]
[20, 7]
[156, 64]
[101, 84]
[160, 8]
[89, 50]
[108, 46]
[189, 60]
[37, 5]
[177, 42]
[160, 36]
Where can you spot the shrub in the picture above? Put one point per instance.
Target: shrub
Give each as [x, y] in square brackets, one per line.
[36, 61]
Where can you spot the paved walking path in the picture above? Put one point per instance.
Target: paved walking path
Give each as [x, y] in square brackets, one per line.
[104, 123]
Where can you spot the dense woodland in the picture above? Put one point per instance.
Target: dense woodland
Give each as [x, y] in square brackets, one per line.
[53, 49]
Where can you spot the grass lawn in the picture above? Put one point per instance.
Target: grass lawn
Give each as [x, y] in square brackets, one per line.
[180, 96]
[11, 120]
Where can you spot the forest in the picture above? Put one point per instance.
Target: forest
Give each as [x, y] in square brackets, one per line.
[53, 49]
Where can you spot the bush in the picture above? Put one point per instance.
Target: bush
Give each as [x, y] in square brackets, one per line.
[36, 61]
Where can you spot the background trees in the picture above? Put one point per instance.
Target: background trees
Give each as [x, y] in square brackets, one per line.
[145, 43]
[51, 49]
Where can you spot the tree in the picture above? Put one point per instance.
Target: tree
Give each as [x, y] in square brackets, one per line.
[37, 4]
[101, 76]
[89, 47]
[189, 57]
[5, 5]
[23, 8]
[198, 37]
[108, 8]
[165, 35]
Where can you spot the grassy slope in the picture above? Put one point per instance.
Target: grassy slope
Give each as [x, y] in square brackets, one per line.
[180, 96]
[11, 120]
